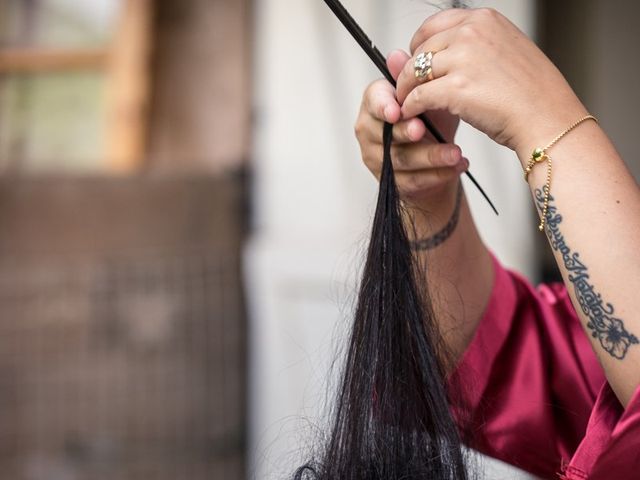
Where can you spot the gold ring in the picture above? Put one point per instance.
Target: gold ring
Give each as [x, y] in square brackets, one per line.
[422, 66]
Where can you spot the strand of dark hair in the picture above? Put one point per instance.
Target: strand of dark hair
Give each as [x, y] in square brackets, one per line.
[392, 417]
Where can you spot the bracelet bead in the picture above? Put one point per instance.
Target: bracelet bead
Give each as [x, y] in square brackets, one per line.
[540, 155]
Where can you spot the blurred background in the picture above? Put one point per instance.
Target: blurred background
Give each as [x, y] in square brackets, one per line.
[183, 214]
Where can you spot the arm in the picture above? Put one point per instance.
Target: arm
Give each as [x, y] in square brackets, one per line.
[593, 225]
[427, 174]
[496, 79]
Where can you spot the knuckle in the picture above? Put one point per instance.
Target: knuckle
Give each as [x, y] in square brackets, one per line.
[455, 108]
[359, 129]
[416, 95]
[370, 93]
[371, 88]
[459, 81]
[487, 13]
[377, 87]
[468, 31]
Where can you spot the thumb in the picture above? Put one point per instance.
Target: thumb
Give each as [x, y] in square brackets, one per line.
[396, 62]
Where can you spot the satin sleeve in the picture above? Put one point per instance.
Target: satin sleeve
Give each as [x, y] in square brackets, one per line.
[611, 445]
[535, 395]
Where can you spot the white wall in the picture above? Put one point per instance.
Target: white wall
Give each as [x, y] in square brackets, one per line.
[314, 200]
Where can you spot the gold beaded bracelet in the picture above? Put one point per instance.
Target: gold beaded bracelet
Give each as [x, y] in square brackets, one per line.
[541, 155]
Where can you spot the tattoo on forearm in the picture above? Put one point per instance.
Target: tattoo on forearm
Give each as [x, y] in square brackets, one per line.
[602, 323]
[443, 235]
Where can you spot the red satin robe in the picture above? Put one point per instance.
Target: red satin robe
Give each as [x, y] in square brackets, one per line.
[536, 392]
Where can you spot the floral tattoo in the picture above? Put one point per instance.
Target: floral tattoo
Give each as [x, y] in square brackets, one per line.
[603, 323]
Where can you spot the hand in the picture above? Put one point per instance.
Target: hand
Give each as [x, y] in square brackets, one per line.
[423, 168]
[492, 76]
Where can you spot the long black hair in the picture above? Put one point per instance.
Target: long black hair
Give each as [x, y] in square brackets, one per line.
[392, 417]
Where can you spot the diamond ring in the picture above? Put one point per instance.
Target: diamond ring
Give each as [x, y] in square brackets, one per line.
[422, 66]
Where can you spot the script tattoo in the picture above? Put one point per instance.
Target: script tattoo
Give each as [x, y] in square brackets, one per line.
[603, 323]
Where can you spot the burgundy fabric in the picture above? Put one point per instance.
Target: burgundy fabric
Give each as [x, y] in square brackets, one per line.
[536, 396]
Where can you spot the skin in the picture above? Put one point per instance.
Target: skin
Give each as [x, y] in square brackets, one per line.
[488, 73]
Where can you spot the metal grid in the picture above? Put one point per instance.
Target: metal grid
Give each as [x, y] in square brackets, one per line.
[127, 368]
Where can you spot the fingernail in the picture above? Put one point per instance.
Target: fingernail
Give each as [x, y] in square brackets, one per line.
[452, 156]
[463, 166]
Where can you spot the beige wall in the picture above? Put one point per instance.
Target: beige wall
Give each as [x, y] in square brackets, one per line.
[594, 43]
[615, 68]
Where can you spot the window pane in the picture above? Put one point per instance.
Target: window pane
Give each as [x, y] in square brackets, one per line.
[57, 23]
[55, 122]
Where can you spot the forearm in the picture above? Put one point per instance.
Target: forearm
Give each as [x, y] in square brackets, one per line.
[522, 101]
[593, 225]
[459, 269]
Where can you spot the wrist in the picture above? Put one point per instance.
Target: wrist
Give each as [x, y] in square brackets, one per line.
[537, 129]
[431, 212]
[435, 200]
[436, 239]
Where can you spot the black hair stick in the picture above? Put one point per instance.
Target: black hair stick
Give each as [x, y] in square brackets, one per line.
[378, 59]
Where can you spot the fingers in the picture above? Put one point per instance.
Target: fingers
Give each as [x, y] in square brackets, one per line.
[437, 23]
[396, 62]
[369, 129]
[419, 156]
[420, 167]
[440, 94]
[407, 131]
[416, 157]
[435, 35]
[380, 102]
[407, 81]
[380, 105]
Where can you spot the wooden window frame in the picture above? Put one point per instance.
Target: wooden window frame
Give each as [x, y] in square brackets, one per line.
[125, 63]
